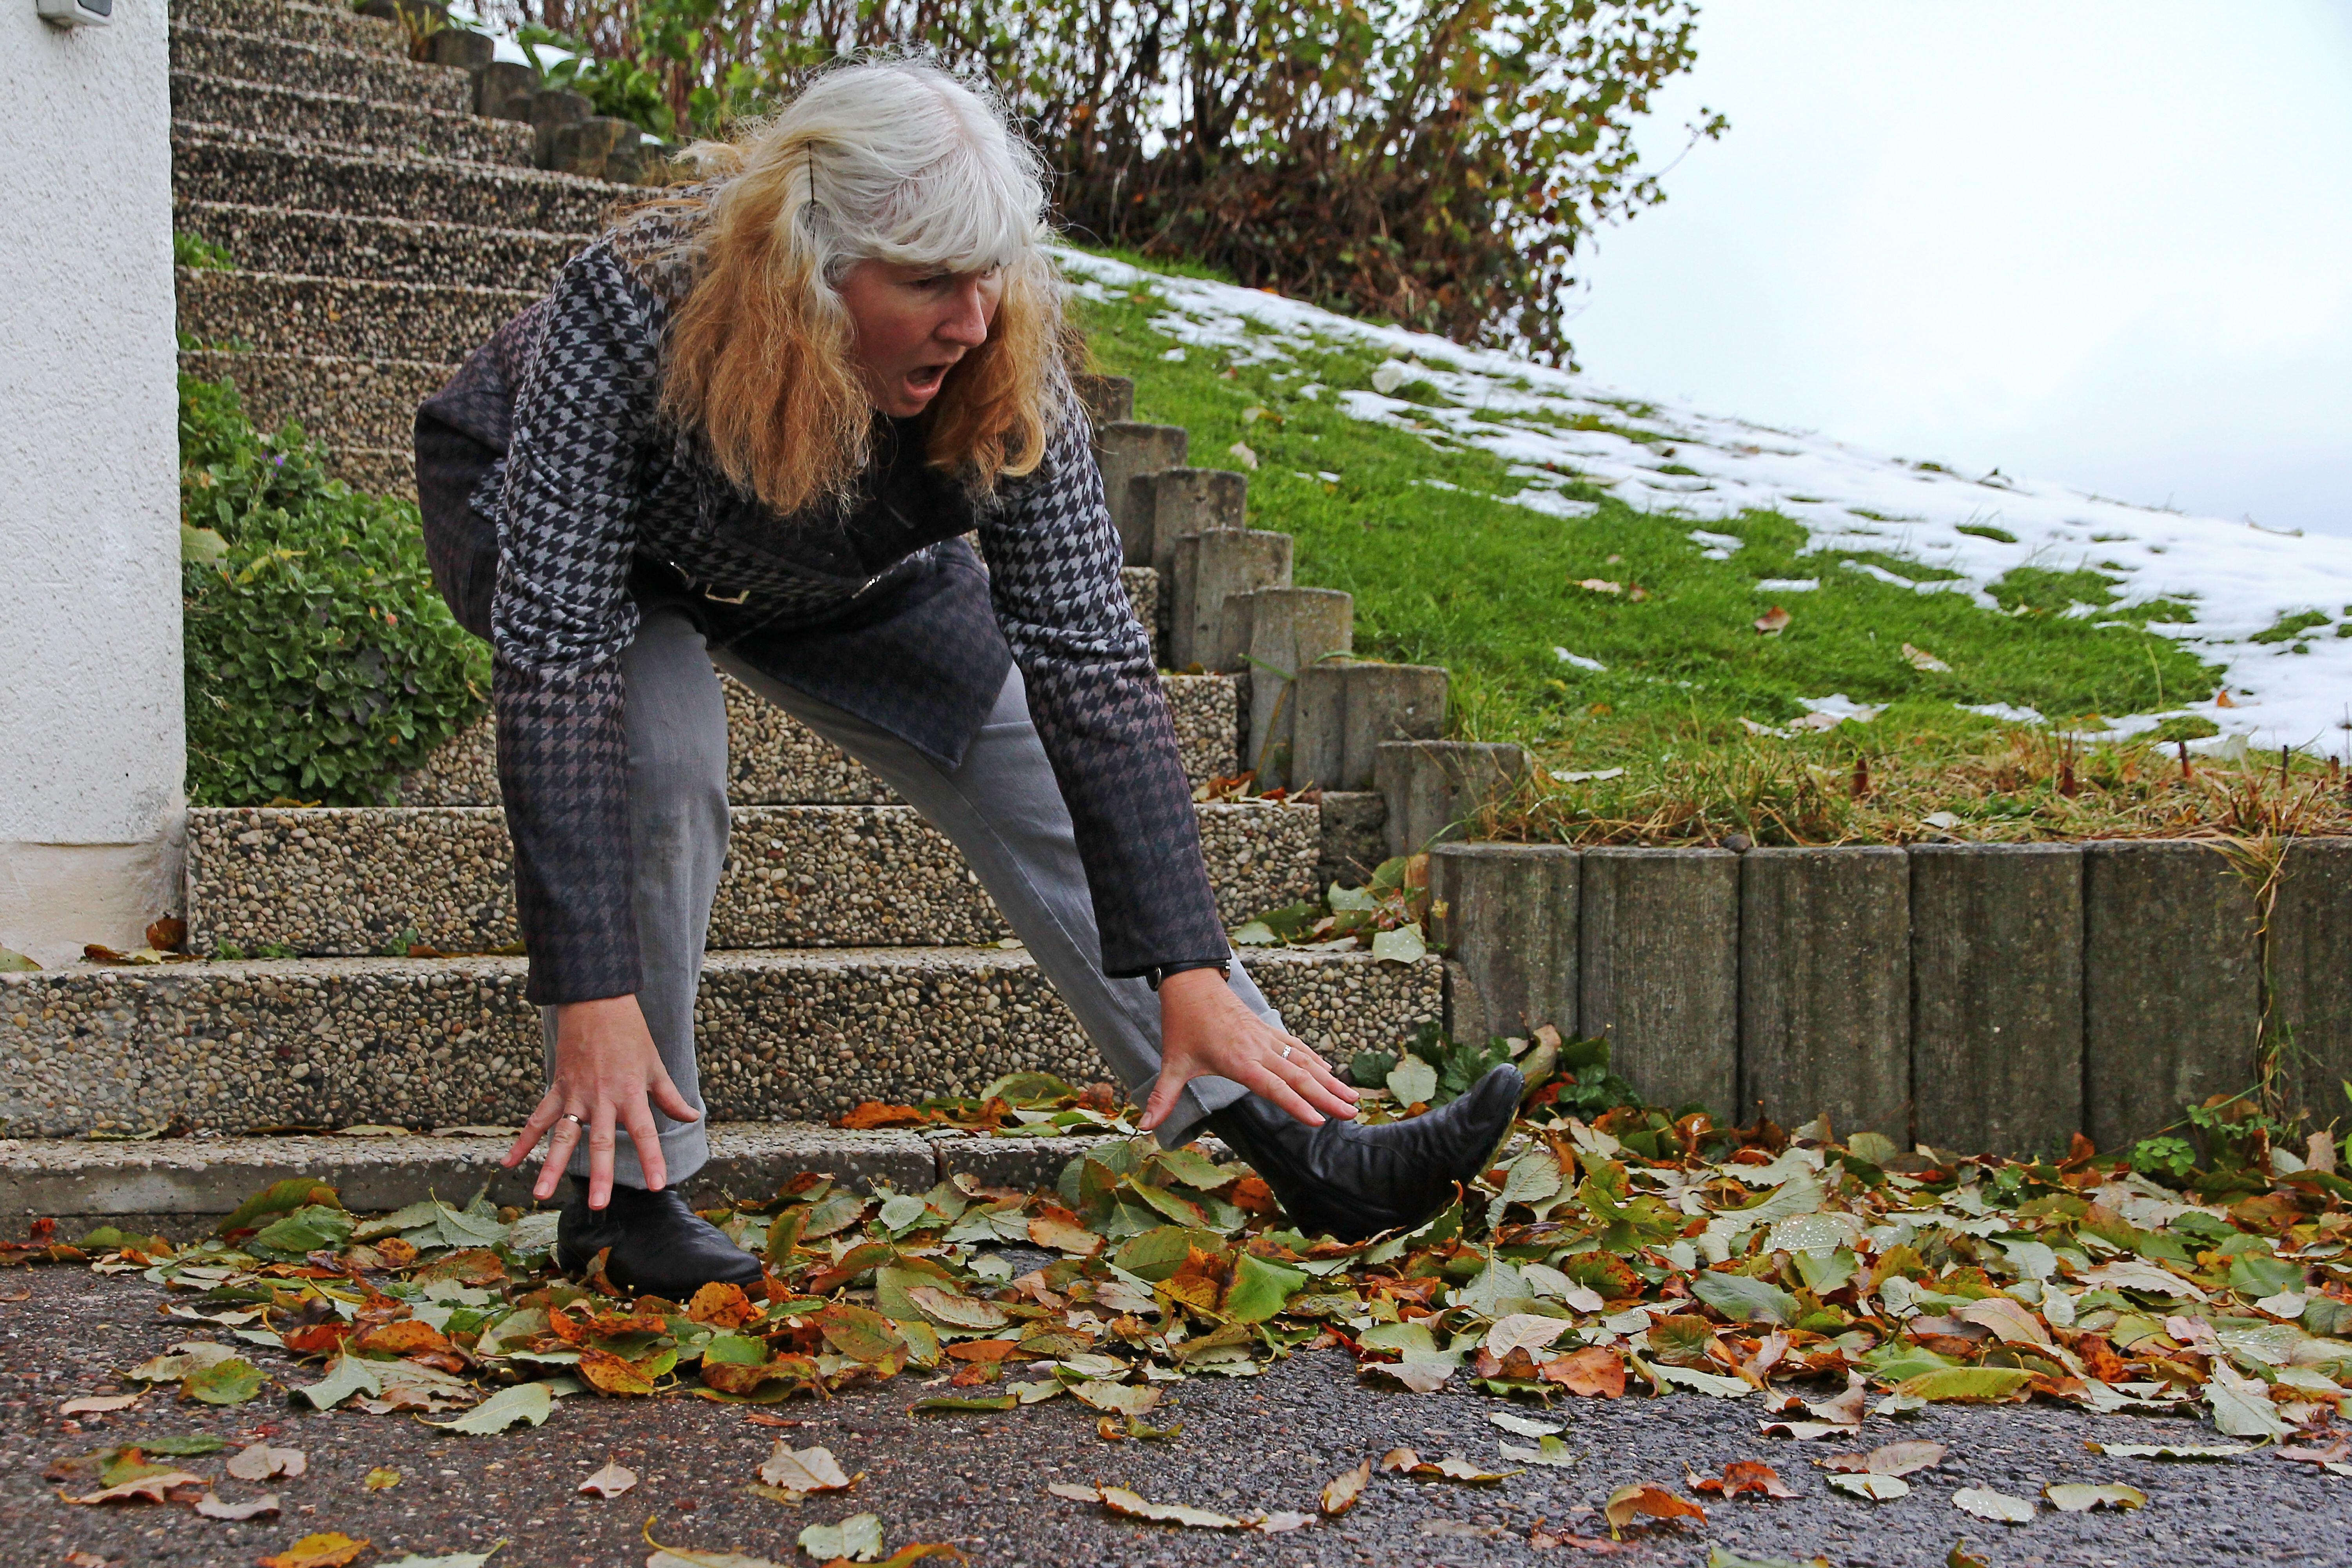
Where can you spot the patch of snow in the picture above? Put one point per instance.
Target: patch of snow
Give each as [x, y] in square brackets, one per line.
[2003, 711]
[1836, 709]
[2236, 580]
[1716, 546]
[1578, 659]
[1568, 777]
[1786, 585]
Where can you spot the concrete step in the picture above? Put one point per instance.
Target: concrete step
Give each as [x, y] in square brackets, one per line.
[183, 1186]
[335, 26]
[274, 239]
[342, 318]
[784, 1037]
[352, 122]
[350, 404]
[775, 760]
[241, 54]
[356, 880]
[231, 165]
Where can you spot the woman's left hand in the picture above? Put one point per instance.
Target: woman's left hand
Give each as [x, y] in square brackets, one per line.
[1207, 1031]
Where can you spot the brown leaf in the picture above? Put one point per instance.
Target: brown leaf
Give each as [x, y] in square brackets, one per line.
[1594, 1371]
[319, 1338]
[330, 1549]
[1743, 1475]
[259, 1462]
[99, 1404]
[146, 1489]
[2335, 1453]
[871, 1114]
[609, 1482]
[1057, 1229]
[1340, 1492]
[722, 1305]
[169, 934]
[608, 1373]
[404, 1338]
[1642, 1498]
[1772, 622]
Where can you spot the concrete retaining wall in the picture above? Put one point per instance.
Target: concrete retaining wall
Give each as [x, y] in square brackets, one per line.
[1977, 997]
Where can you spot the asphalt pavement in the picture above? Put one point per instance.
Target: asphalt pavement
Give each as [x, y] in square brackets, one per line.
[980, 1481]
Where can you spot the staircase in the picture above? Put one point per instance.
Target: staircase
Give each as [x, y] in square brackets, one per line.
[381, 230]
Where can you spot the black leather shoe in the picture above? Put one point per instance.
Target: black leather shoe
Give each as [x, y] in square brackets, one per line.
[1354, 1182]
[659, 1246]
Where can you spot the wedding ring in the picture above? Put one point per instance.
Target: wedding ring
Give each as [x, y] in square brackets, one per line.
[1285, 1053]
[574, 1119]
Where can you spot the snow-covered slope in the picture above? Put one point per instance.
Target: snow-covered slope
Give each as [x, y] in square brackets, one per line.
[2237, 580]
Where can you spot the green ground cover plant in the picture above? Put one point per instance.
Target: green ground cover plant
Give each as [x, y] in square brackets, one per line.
[1674, 731]
[321, 661]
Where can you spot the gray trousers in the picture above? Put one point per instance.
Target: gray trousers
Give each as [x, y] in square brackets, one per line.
[1001, 807]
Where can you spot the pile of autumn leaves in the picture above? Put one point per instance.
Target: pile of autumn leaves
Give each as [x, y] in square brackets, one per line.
[1825, 1281]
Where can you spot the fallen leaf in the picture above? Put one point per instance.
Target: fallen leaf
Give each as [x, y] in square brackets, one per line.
[805, 1469]
[1133, 1505]
[1875, 1487]
[1773, 621]
[1340, 1492]
[1461, 1530]
[1453, 1468]
[99, 1404]
[381, 1478]
[230, 1382]
[1892, 1459]
[721, 1305]
[611, 1374]
[531, 1402]
[1643, 1497]
[857, 1538]
[259, 1462]
[1549, 1451]
[1524, 1331]
[1592, 1371]
[1967, 1384]
[1123, 1399]
[950, 1310]
[1061, 1231]
[2131, 1274]
[2166, 1450]
[451, 1560]
[1743, 1475]
[211, 1507]
[1999, 1506]
[1522, 1426]
[327, 1549]
[609, 1482]
[147, 1488]
[2078, 1496]
[1921, 660]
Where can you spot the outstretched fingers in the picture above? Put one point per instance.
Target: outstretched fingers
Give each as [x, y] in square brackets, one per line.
[565, 1138]
[542, 1118]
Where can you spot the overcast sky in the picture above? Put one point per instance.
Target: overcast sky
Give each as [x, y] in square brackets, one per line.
[2102, 242]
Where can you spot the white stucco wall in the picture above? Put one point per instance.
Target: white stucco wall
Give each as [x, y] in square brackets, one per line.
[91, 746]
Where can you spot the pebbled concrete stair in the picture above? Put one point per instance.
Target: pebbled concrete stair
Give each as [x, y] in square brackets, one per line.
[380, 230]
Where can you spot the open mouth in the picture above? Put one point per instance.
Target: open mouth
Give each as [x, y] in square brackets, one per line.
[924, 380]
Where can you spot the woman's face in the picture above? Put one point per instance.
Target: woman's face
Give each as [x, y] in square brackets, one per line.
[913, 325]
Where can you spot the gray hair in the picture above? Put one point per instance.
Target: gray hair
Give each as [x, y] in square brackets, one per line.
[899, 161]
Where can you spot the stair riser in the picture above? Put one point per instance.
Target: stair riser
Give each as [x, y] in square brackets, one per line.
[242, 56]
[352, 882]
[340, 318]
[345, 402]
[236, 1047]
[773, 759]
[354, 121]
[384, 250]
[331, 27]
[209, 164]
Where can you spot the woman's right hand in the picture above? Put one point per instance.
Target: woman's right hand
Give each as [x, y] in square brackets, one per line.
[606, 1070]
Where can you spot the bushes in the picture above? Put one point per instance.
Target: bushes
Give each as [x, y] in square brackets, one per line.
[320, 662]
[1431, 164]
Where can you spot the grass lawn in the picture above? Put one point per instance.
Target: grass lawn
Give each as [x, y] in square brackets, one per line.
[1443, 572]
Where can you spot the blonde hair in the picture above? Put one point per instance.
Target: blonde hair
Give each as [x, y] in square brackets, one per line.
[894, 160]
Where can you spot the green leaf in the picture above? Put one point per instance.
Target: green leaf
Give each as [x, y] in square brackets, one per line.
[531, 1402]
[1413, 1082]
[1259, 1288]
[279, 1197]
[1402, 945]
[1745, 1300]
[944, 1403]
[1981, 1384]
[2256, 1275]
[306, 1230]
[346, 1376]
[230, 1382]
[1162, 1250]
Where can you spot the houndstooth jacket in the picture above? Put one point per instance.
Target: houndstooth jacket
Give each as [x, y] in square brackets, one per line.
[600, 507]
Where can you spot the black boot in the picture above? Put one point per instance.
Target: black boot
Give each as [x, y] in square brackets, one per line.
[659, 1246]
[1353, 1182]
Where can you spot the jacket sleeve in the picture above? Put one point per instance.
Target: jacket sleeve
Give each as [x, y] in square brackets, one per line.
[1053, 560]
[561, 620]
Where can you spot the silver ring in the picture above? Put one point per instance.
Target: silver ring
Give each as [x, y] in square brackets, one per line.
[574, 1119]
[1285, 1053]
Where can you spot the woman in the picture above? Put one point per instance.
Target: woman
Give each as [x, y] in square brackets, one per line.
[752, 424]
